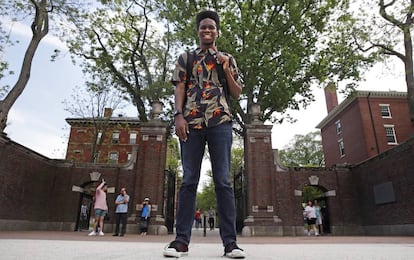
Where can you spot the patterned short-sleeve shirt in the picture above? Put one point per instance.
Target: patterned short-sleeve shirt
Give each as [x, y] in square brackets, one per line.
[206, 104]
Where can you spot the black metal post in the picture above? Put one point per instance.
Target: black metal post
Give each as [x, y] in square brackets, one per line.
[205, 225]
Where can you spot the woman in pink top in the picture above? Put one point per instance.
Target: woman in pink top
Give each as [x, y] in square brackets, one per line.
[101, 208]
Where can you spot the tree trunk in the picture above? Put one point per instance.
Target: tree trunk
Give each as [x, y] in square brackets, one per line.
[409, 73]
[40, 28]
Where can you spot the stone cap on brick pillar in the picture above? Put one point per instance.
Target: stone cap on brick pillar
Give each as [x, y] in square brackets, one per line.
[254, 113]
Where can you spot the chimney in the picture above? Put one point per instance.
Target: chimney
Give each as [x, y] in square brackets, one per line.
[108, 112]
[330, 96]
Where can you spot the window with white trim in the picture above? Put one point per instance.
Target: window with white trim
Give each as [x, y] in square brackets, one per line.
[129, 157]
[115, 137]
[96, 156]
[338, 127]
[390, 134]
[98, 137]
[132, 138]
[385, 110]
[341, 147]
[113, 157]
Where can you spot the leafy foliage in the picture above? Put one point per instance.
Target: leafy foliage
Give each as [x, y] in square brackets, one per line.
[311, 193]
[385, 29]
[122, 44]
[303, 151]
[281, 47]
[41, 13]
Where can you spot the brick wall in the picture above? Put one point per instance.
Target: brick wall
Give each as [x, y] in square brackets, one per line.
[36, 192]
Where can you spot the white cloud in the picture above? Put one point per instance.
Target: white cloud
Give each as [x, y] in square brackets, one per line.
[23, 30]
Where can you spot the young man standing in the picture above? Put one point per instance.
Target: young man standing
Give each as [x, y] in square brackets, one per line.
[121, 212]
[203, 117]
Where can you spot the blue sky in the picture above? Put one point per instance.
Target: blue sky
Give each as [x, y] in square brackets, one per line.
[37, 119]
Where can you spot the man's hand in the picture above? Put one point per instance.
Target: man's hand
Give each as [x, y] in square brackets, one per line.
[223, 59]
[181, 127]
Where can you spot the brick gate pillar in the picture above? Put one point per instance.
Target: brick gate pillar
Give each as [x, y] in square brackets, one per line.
[150, 168]
[260, 168]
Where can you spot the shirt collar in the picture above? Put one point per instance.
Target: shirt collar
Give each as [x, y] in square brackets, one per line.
[200, 51]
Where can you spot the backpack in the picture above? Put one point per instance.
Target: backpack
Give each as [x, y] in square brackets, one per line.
[220, 73]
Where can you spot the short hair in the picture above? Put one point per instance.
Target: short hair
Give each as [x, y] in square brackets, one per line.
[208, 14]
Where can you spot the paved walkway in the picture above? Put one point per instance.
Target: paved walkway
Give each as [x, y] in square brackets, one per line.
[77, 245]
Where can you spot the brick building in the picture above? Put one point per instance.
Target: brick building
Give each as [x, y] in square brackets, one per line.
[102, 140]
[363, 125]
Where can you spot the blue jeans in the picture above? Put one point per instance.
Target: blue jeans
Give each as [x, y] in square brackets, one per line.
[219, 140]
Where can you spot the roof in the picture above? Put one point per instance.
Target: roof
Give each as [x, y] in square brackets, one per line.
[112, 120]
[358, 94]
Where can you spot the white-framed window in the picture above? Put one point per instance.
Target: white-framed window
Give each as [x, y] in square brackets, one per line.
[113, 157]
[390, 134]
[96, 156]
[341, 147]
[115, 137]
[385, 110]
[132, 138]
[338, 127]
[129, 157]
[98, 137]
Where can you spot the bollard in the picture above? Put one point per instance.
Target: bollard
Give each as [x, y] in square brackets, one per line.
[205, 226]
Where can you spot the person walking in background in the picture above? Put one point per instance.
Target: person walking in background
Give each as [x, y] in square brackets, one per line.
[211, 216]
[319, 219]
[100, 207]
[145, 216]
[121, 212]
[311, 218]
[202, 116]
[197, 218]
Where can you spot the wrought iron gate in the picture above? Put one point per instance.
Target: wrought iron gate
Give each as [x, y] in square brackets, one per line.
[240, 196]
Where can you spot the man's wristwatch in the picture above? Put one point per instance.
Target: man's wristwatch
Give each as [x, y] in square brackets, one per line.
[177, 112]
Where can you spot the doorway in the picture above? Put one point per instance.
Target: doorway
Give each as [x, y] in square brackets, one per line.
[85, 206]
[317, 193]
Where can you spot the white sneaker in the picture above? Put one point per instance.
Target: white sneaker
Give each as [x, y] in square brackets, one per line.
[317, 234]
[93, 233]
[309, 234]
[175, 249]
[233, 251]
[101, 233]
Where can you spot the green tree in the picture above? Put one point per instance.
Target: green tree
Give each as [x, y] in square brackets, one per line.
[122, 42]
[282, 49]
[304, 151]
[385, 28]
[42, 13]
[311, 193]
[207, 197]
[173, 152]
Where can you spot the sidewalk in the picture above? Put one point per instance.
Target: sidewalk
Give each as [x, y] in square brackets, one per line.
[77, 245]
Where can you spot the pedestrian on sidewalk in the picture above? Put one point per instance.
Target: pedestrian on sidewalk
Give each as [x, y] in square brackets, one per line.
[197, 218]
[311, 218]
[211, 216]
[100, 207]
[121, 212]
[319, 219]
[145, 216]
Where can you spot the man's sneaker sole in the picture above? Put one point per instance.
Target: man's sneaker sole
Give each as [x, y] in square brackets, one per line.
[236, 253]
[171, 252]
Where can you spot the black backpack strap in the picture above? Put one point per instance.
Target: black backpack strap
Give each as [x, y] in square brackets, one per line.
[223, 81]
[189, 72]
[189, 68]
